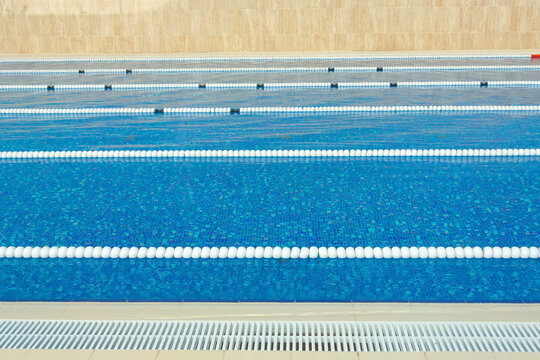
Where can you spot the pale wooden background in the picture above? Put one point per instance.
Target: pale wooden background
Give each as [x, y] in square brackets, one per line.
[161, 26]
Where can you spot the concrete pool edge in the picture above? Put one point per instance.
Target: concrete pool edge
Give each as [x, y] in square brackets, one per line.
[270, 311]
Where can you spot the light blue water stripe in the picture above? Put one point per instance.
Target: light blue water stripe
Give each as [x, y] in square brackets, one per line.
[288, 85]
[275, 69]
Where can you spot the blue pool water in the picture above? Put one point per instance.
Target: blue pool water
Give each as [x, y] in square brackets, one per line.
[416, 201]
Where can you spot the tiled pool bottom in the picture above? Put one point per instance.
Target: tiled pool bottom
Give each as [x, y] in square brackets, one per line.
[302, 280]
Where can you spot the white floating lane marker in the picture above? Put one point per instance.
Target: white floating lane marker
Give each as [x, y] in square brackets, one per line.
[256, 86]
[274, 69]
[259, 58]
[270, 153]
[270, 252]
[276, 109]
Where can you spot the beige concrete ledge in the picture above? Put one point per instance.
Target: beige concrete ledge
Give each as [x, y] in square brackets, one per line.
[276, 53]
[270, 311]
[248, 355]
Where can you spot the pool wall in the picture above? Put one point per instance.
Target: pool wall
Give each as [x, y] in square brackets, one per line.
[168, 26]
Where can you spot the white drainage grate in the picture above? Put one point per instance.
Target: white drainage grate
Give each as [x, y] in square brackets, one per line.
[270, 335]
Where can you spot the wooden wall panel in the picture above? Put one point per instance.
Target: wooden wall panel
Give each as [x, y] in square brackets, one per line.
[175, 26]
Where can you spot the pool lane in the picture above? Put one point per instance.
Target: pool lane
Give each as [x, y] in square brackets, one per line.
[274, 202]
[235, 98]
[265, 132]
[317, 280]
[52, 79]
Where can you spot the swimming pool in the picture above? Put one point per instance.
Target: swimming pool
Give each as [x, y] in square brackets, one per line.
[319, 192]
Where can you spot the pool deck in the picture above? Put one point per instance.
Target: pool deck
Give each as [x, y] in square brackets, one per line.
[263, 311]
[269, 311]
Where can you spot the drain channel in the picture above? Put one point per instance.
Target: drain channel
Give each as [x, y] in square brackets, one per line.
[270, 335]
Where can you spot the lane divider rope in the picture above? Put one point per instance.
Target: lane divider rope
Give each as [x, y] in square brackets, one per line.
[264, 58]
[275, 69]
[374, 84]
[276, 109]
[267, 153]
[269, 252]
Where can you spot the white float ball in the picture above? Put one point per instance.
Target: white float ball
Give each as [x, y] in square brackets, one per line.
[441, 252]
[295, 252]
[368, 252]
[18, 253]
[106, 252]
[341, 253]
[151, 252]
[214, 252]
[259, 252]
[62, 251]
[53, 252]
[506, 252]
[524, 252]
[79, 252]
[268, 250]
[141, 252]
[332, 252]
[350, 252]
[478, 252]
[223, 252]
[423, 252]
[304, 253]
[124, 253]
[160, 252]
[133, 251]
[405, 252]
[44, 253]
[10, 251]
[516, 253]
[497, 252]
[488, 252]
[115, 252]
[359, 252]
[88, 252]
[450, 252]
[469, 253]
[250, 252]
[96, 253]
[241, 252]
[432, 252]
[533, 252]
[196, 252]
[313, 252]
[414, 252]
[36, 251]
[27, 252]
[231, 254]
[205, 252]
[186, 252]
[387, 252]
[323, 252]
[285, 253]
